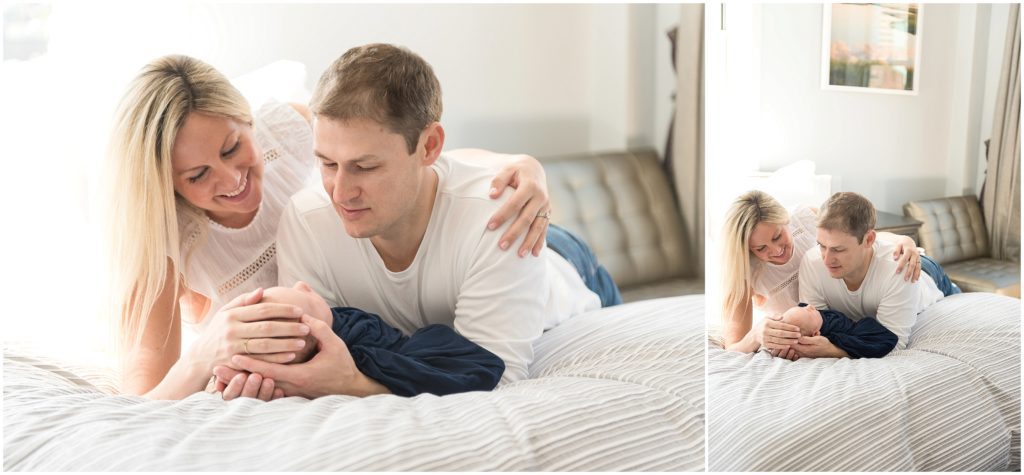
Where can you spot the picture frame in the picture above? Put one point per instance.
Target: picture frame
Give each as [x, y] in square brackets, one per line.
[871, 47]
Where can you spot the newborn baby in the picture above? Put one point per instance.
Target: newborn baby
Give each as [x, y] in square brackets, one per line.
[865, 338]
[434, 360]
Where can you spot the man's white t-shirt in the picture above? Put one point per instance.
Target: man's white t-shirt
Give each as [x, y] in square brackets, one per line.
[883, 295]
[459, 277]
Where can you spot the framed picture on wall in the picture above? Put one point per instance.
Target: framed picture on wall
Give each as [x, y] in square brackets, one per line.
[871, 47]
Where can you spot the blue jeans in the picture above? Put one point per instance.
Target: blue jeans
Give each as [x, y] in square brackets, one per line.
[594, 275]
[942, 281]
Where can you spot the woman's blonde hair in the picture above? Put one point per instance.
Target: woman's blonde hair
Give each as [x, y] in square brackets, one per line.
[738, 274]
[143, 222]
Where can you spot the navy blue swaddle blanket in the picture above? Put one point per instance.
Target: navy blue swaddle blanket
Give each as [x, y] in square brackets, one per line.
[434, 360]
[865, 338]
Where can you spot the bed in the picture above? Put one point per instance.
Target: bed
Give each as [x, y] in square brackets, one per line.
[949, 402]
[616, 389]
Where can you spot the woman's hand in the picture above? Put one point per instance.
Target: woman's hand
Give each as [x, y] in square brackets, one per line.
[907, 256]
[244, 326]
[778, 335]
[529, 204]
[331, 371]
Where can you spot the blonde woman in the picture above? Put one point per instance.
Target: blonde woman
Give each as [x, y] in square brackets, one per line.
[198, 186]
[762, 246]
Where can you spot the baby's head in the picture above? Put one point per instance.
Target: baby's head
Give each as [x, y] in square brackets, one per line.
[806, 317]
[301, 295]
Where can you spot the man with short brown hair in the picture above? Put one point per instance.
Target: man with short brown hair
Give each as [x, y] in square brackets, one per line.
[848, 212]
[387, 84]
[400, 231]
[852, 272]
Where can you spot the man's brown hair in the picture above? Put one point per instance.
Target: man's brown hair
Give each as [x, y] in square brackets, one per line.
[384, 83]
[847, 212]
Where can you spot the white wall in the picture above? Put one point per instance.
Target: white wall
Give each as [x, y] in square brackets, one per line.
[666, 17]
[891, 148]
[539, 79]
[994, 28]
[544, 79]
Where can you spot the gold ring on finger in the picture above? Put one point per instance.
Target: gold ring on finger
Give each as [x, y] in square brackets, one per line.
[245, 345]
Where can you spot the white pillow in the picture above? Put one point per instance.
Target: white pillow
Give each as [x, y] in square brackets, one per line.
[793, 185]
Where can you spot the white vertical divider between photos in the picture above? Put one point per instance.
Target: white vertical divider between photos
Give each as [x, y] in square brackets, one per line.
[714, 75]
[732, 114]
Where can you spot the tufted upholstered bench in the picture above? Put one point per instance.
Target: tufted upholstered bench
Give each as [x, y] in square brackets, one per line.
[622, 205]
[954, 234]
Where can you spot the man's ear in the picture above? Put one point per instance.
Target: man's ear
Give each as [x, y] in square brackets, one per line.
[432, 140]
[869, 238]
[817, 333]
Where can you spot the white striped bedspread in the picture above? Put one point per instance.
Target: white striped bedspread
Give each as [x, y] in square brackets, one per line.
[949, 402]
[618, 389]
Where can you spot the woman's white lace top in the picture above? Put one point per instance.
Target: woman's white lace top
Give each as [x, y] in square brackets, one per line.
[779, 283]
[229, 262]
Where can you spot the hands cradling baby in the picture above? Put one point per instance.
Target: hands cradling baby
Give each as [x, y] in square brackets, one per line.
[233, 382]
[798, 334]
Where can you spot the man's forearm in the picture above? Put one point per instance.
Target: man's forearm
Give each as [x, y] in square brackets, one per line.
[481, 157]
[836, 352]
[363, 386]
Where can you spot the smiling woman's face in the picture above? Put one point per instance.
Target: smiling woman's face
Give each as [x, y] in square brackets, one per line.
[771, 243]
[217, 167]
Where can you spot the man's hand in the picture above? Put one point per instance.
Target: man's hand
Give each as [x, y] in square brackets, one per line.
[817, 347]
[330, 371]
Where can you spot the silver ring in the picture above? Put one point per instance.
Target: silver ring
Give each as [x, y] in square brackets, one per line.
[546, 215]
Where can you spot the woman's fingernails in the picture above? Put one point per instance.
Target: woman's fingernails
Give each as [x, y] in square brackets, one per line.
[304, 329]
[503, 245]
[491, 225]
[493, 191]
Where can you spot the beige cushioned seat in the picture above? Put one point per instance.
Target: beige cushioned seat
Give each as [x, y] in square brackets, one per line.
[954, 235]
[983, 274]
[622, 206]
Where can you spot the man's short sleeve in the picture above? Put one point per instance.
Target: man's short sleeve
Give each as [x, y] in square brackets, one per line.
[897, 308]
[812, 289]
[299, 257]
[501, 304]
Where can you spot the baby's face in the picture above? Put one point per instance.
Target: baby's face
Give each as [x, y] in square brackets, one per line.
[806, 317]
[301, 295]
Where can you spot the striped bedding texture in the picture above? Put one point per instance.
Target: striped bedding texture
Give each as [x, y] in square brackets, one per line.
[618, 389]
[949, 402]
